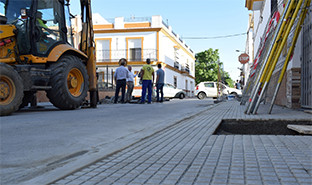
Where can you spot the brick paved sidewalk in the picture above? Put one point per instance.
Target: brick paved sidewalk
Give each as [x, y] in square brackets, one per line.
[189, 153]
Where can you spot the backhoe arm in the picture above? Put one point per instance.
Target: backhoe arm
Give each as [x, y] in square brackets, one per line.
[87, 46]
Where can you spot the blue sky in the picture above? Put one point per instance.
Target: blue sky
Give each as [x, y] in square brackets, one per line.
[189, 18]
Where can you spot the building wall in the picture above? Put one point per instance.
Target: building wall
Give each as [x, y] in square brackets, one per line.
[166, 49]
[166, 44]
[119, 42]
[261, 17]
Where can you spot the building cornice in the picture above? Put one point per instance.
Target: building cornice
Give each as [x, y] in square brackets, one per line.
[126, 30]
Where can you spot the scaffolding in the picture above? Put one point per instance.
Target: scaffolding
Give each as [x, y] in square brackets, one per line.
[288, 27]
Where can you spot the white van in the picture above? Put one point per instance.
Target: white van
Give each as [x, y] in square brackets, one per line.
[209, 89]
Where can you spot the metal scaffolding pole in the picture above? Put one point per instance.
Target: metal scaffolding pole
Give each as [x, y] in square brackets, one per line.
[268, 57]
[290, 52]
[279, 51]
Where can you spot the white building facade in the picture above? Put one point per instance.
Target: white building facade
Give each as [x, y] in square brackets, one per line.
[138, 39]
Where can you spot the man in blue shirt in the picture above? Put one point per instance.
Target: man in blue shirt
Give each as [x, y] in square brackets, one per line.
[121, 75]
[160, 83]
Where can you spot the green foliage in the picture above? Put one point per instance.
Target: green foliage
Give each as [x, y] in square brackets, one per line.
[228, 81]
[206, 67]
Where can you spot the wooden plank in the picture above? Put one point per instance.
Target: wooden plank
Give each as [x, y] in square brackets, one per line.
[303, 129]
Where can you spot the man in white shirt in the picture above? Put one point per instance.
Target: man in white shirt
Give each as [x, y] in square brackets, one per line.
[130, 84]
[121, 75]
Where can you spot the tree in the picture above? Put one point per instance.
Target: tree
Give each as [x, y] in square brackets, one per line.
[226, 79]
[206, 67]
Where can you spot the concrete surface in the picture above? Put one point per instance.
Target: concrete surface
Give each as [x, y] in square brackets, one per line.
[303, 129]
[37, 142]
[189, 153]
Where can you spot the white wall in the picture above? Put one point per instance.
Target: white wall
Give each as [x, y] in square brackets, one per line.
[119, 39]
[167, 55]
[260, 21]
[260, 29]
[296, 60]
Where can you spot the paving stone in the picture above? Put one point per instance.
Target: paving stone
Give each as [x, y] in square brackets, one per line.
[217, 180]
[188, 153]
[236, 181]
[63, 181]
[305, 180]
[271, 182]
[254, 182]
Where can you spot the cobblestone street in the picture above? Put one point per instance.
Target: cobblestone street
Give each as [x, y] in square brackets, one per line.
[189, 153]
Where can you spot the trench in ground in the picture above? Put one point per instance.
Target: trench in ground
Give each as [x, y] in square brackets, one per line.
[258, 127]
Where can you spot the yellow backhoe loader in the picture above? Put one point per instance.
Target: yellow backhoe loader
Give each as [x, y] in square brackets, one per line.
[36, 53]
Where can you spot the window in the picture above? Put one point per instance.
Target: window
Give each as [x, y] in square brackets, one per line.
[135, 54]
[70, 38]
[191, 84]
[12, 12]
[135, 49]
[169, 86]
[103, 50]
[273, 6]
[176, 64]
[175, 81]
[50, 25]
[209, 84]
[186, 83]
[2, 8]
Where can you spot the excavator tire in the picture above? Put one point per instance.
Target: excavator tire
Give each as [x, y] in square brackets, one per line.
[11, 90]
[69, 82]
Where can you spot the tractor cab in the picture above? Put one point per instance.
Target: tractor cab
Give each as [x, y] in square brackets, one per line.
[40, 25]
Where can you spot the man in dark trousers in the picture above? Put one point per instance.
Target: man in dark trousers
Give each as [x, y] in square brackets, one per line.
[147, 75]
[121, 75]
[160, 83]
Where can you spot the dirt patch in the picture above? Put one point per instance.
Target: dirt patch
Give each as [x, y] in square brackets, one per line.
[258, 127]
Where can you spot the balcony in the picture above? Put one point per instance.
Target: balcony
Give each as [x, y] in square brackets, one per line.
[254, 4]
[185, 70]
[133, 54]
[176, 65]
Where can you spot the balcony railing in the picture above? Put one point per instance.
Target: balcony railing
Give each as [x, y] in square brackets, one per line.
[135, 54]
[131, 19]
[185, 69]
[174, 33]
[138, 19]
[176, 65]
[165, 24]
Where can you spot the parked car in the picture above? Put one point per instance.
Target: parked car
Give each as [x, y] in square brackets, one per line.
[209, 89]
[172, 92]
[169, 91]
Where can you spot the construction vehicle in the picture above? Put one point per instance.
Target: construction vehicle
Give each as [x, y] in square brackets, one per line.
[36, 54]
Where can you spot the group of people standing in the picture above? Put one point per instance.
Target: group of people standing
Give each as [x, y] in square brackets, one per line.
[124, 77]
